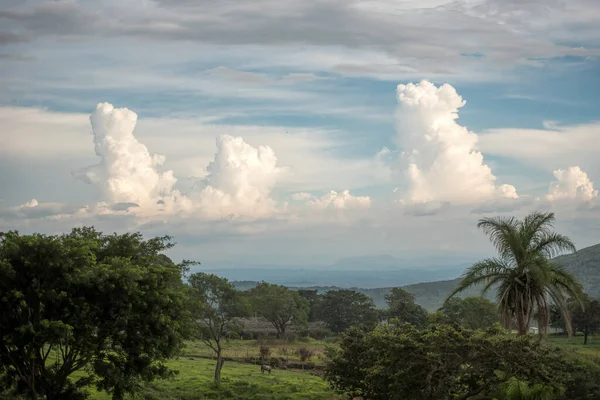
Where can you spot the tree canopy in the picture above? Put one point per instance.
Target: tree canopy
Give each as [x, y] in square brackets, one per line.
[341, 309]
[471, 312]
[279, 305]
[112, 304]
[402, 307]
[527, 280]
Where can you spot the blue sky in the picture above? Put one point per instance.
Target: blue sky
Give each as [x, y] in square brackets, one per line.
[315, 84]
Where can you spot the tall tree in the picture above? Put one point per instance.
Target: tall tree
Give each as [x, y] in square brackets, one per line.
[527, 280]
[402, 306]
[341, 309]
[216, 307]
[586, 318]
[113, 305]
[279, 305]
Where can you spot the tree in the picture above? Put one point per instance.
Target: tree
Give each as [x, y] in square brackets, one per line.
[341, 309]
[585, 317]
[217, 306]
[527, 280]
[402, 306]
[441, 362]
[279, 305]
[112, 305]
[471, 312]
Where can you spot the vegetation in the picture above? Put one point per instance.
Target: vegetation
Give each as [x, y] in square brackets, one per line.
[527, 280]
[585, 316]
[402, 307]
[111, 305]
[471, 313]
[279, 305]
[443, 362]
[341, 309]
[216, 306]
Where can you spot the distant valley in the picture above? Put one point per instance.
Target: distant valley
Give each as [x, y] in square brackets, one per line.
[429, 286]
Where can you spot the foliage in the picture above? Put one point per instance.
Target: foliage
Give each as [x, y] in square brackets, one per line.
[471, 313]
[110, 304]
[341, 309]
[279, 305]
[402, 307]
[526, 278]
[586, 318]
[305, 353]
[215, 306]
[444, 362]
[264, 351]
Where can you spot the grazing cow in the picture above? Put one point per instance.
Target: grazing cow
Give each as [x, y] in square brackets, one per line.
[264, 368]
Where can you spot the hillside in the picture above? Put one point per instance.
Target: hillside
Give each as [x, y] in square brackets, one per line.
[585, 265]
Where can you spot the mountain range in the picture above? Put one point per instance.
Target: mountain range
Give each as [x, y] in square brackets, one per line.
[584, 265]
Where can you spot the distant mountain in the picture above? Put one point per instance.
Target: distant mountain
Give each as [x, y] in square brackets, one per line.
[584, 265]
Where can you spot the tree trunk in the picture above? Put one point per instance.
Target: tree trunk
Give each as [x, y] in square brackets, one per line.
[585, 335]
[219, 365]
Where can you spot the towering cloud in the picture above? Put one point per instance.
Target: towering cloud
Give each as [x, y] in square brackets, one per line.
[439, 156]
[239, 180]
[127, 172]
[571, 184]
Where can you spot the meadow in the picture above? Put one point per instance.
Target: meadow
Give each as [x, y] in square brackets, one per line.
[239, 381]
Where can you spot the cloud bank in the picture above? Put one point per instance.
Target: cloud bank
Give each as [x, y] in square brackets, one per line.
[571, 184]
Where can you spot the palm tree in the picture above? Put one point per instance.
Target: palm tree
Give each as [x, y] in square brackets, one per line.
[526, 278]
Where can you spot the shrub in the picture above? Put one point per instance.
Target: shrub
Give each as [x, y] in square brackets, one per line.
[305, 353]
[264, 351]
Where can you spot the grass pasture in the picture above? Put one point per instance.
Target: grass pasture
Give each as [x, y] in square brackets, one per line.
[575, 344]
[239, 381]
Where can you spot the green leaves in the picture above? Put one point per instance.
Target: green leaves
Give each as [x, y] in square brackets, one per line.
[341, 309]
[110, 304]
[442, 362]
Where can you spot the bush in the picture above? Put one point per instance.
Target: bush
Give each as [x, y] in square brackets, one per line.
[264, 351]
[305, 353]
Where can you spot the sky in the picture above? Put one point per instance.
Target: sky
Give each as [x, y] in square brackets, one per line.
[297, 132]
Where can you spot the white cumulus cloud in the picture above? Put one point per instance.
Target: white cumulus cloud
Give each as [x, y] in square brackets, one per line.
[240, 180]
[127, 172]
[440, 157]
[571, 184]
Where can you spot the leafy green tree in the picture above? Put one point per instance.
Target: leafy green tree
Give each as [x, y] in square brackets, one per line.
[216, 307]
[395, 362]
[402, 307]
[341, 309]
[279, 305]
[527, 280]
[471, 312]
[586, 317]
[112, 305]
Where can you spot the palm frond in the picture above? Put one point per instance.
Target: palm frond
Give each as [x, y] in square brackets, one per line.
[478, 273]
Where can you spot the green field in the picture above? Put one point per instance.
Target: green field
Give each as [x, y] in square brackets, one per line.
[590, 350]
[239, 381]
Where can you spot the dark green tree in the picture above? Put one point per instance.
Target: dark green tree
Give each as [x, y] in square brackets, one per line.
[402, 307]
[341, 309]
[110, 304]
[527, 280]
[471, 312]
[215, 306]
[279, 305]
[585, 317]
[396, 362]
